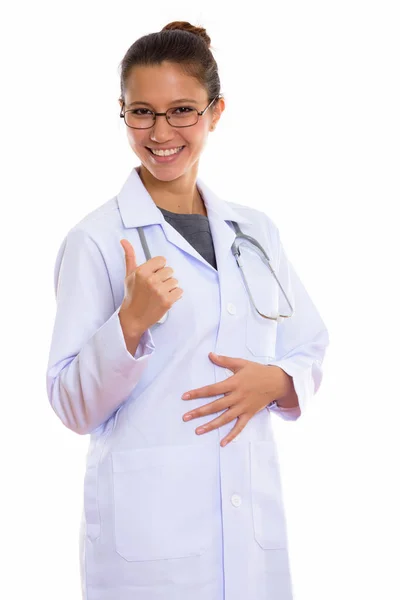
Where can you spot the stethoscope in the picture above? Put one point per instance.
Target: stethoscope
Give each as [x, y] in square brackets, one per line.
[237, 254]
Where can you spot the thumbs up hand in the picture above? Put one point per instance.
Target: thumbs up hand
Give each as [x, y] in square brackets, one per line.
[150, 291]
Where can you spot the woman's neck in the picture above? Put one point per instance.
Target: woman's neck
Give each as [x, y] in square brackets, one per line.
[173, 197]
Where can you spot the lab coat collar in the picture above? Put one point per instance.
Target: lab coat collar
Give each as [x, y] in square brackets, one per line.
[138, 209]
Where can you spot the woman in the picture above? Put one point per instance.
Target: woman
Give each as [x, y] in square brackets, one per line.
[171, 512]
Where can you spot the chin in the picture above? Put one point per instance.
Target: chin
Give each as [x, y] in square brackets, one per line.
[166, 172]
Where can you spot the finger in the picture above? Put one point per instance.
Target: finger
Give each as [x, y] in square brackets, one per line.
[215, 389]
[239, 426]
[209, 409]
[130, 257]
[226, 417]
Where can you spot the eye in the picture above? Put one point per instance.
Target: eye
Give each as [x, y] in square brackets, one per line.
[141, 111]
[182, 110]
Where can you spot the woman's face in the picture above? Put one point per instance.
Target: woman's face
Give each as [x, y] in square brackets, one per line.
[158, 88]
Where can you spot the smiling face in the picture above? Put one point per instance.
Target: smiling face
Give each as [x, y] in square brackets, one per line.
[158, 88]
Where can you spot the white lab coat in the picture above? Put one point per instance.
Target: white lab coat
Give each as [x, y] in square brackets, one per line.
[169, 514]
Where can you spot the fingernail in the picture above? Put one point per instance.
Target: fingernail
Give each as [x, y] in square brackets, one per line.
[187, 417]
[186, 396]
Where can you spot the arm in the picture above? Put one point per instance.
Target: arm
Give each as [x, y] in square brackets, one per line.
[300, 345]
[94, 363]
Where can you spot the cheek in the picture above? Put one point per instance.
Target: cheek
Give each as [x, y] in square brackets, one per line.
[198, 137]
[136, 138]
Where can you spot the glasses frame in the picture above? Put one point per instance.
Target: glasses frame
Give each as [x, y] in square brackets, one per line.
[165, 114]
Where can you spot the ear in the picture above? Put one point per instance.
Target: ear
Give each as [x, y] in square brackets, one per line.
[217, 112]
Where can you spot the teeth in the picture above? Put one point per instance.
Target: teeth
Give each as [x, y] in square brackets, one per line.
[166, 152]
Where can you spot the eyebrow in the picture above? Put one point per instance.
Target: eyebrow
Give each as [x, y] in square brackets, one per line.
[174, 102]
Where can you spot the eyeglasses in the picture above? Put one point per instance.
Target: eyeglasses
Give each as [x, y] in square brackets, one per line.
[182, 116]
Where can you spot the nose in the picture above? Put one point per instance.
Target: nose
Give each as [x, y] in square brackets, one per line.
[161, 130]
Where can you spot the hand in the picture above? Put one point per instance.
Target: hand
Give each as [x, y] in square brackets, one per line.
[250, 389]
[150, 291]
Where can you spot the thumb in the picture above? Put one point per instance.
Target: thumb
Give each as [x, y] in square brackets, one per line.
[130, 257]
[229, 362]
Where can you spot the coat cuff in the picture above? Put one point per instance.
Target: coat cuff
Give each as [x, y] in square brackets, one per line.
[110, 342]
[303, 383]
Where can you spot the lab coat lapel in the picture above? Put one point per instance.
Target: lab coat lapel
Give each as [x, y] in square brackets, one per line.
[220, 213]
[138, 209]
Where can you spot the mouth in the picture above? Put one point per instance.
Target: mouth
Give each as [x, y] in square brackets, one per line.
[168, 157]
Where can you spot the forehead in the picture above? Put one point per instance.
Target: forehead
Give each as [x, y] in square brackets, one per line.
[162, 84]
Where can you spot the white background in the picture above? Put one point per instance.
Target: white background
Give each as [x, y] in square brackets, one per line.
[310, 135]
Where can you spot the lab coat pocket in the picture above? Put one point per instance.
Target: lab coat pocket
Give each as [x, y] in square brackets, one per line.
[261, 332]
[90, 484]
[266, 496]
[164, 501]
[261, 291]
[91, 508]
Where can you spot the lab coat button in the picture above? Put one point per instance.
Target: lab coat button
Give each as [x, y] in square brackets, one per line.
[231, 308]
[236, 500]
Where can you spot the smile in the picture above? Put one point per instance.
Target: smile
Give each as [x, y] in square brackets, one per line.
[169, 155]
[166, 152]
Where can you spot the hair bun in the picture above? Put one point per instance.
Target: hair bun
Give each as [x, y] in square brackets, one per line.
[186, 26]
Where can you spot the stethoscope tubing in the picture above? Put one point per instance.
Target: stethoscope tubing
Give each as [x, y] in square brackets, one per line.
[236, 253]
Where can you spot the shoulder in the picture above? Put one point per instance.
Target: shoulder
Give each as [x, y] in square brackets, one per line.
[99, 222]
[97, 230]
[94, 238]
[255, 215]
[262, 226]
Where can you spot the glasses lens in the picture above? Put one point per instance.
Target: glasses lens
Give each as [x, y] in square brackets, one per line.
[182, 116]
[140, 118]
[261, 282]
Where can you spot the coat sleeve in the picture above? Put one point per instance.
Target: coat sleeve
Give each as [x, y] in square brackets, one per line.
[301, 339]
[90, 371]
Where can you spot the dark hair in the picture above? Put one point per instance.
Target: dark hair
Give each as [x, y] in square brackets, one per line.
[178, 42]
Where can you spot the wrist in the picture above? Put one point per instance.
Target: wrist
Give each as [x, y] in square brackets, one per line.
[131, 327]
[286, 396]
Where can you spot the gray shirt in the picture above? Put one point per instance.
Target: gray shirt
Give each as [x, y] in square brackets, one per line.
[196, 230]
